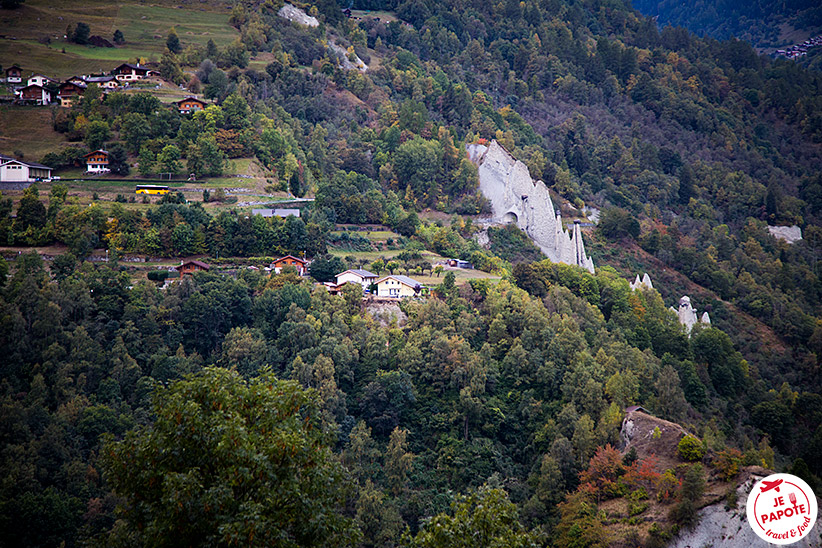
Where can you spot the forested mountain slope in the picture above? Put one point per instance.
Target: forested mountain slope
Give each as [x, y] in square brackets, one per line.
[690, 147]
[763, 23]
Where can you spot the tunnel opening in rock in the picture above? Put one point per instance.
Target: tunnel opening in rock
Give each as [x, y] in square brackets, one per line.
[510, 218]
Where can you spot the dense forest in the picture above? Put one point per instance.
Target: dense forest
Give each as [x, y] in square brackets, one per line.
[219, 410]
[485, 385]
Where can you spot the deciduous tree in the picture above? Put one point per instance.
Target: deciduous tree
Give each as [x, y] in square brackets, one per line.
[229, 462]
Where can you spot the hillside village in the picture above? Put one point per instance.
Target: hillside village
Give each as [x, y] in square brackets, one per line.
[798, 51]
[41, 90]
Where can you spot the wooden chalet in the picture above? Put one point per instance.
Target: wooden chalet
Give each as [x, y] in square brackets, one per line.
[14, 74]
[97, 161]
[69, 91]
[188, 268]
[190, 105]
[33, 95]
[289, 260]
[130, 73]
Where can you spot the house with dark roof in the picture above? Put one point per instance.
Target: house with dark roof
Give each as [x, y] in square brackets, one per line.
[40, 80]
[398, 287]
[13, 170]
[188, 268]
[14, 74]
[362, 277]
[33, 95]
[289, 260]
[106, 82]
[130, 73]
[633, 408]
[69, 91]
[97, 161]
[190, 104]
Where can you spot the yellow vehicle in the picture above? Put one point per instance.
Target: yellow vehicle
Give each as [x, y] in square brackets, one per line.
[151, 189]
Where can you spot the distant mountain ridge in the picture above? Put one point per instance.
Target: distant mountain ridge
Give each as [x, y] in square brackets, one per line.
[763, 23]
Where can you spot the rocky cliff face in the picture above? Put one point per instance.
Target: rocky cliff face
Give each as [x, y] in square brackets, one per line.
[719, 527]
[516, 198]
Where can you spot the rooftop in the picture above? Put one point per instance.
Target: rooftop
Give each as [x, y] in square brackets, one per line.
[410, 282]
[360, 273]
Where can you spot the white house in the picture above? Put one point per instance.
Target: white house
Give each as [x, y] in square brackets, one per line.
[362, 277]
[13, 170]
[40, 80]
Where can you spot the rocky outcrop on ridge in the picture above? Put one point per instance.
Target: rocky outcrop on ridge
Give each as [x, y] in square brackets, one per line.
[516, 198]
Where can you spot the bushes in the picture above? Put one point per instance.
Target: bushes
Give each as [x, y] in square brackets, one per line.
[690, 449]
[727, 463]
[162, 275]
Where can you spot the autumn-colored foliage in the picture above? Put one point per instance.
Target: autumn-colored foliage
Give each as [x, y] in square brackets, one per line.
[727, 463]
[604, 469]
[642, 473]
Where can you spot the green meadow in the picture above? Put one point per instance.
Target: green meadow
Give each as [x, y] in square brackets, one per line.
[33, 35]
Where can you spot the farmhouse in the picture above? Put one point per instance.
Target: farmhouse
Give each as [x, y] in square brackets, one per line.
[97, 161]
[399, 287]
[69, 91]
[130, 73]
[190, 104]
[14, 75]
[362, 277]
[34, 95]
[40, 80]
[18, 171]
[289, 260]
[190, 267]
[107, 83]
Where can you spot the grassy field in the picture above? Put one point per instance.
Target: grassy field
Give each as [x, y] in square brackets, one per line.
[28, 129]
[384, 16]
[373, 235]
[33, 34]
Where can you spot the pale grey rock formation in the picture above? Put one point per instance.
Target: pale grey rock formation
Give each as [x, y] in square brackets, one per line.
[790, 234]
[687, 314]
[721, 528]
[516, 198]
[342, 58]
[296, 15]
[643, 283]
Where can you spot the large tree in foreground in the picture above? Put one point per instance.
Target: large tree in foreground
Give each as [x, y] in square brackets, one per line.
[229, 462]
[484, 519]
